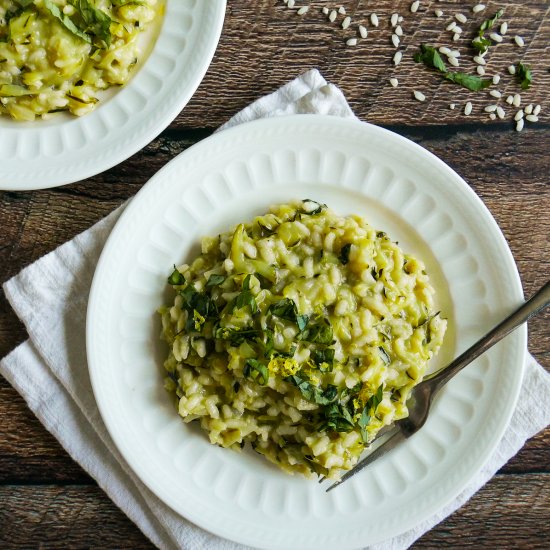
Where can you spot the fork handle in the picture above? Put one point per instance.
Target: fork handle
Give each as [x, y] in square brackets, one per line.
[536, 303]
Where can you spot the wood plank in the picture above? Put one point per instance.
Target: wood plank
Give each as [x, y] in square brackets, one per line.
[506, 512]
[264, 44]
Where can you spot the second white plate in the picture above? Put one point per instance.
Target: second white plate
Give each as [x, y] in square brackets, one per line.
[43, 154]
[354, 168]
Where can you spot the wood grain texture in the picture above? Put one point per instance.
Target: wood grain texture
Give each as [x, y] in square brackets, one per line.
[45, 498]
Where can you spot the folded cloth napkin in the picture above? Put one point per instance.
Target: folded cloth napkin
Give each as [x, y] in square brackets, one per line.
[49, 370]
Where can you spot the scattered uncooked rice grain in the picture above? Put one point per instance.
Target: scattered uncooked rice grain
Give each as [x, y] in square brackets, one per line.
[450, 26]
[303, 10]
[461, 18]
[529, 109]
[510, 99]
[495, 93]
[503, 28]
[532, 118]
[374, 19]
[512, 69]
[342, 10]
[536, 110]
[518, 115]
[455, 53]
[496, 79]
[398, 30]
[490, 108]
[438, 13]
[325, 10]
[291, 3]
[480, 70]
[516, 100]
[500, 112]
[415, 5]
[363, 32]
[478, 7]
[332, 16]
[394, 82]
[397, 58]
[452, 106]
[394, 18]
[468, 108]
[457, 29]
[519, 125]
[444, 50]
[351, 42]
[456, 37]
[479, 60]
[419, 95]
[453, 60]
[519, 41]
[492, 116]
[346, 22]
[395, 40]
[495, 37]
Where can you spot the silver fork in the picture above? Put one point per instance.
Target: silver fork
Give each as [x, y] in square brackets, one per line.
[422, 396]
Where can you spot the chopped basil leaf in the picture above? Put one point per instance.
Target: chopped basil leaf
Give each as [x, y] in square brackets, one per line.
[285, 309]
[215, 280]
[323, 358]
[369, 409]
[302, 321]
[489, 23]
[313, 393]
[256, 371]
[337, 418]
[524, 75]
[245, 298]
[344, 253]
[431, 58]
[480, 42]
[237, 336]
[66, 21]
[317, 333]
[470, 81]
[95, 22]
[176, 278]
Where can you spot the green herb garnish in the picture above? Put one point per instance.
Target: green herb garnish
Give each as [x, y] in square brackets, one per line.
[215, 280]
[524, 75]
[256, 371]
[318, 332]
[245, 298]
[312, 393]
[480, 42]
[323, 358]
[431, 58]
[369, 409]
[176, 278]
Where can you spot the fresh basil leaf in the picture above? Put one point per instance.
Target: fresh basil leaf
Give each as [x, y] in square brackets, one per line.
[24, 3]
[323, 358]
[318, 333]
[302, 321]
[245, 298]
[489, 23]
[470, 81]
[369, 410]
[344, 253]
[66, 21]
[430, 57]
[95, 22]
[285, 309]
[176, 278]
[215, 280]
[313, 393]
[481, 44]
[336, 417]
[256, 371]
[237, 336]
[524, 75]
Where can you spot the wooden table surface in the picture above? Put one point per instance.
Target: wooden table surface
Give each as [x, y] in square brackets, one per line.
[46, 499]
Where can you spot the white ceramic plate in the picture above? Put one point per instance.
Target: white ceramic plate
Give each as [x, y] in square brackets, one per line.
[43, 154]
[355, 168]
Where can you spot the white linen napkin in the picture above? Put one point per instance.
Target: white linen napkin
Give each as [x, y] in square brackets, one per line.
[49, 370]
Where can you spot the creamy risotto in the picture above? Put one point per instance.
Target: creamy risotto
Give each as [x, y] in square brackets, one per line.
[56, 55]
[300, 332]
